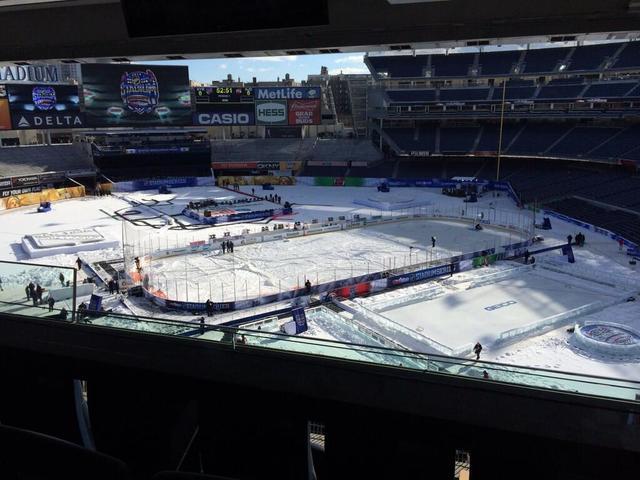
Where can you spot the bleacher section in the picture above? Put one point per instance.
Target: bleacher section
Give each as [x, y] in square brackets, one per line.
[534, 62]
[343, 150]
[629, 57]
[591, 57]
[458, 140]
[259, 150]
[412, 96]
[27, 160]
[561, 139]
[463, 94]
[618, 221]
[455, 65]
[498, 62]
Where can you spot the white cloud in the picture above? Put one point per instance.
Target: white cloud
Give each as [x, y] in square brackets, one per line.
[263, 69]
[351, 59]
[223, 66]
[283, 58]
[348, 70]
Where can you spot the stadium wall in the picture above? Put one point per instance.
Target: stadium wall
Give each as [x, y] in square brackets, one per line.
[155, 183]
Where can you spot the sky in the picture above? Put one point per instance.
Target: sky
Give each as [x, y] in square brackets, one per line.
[270, 68]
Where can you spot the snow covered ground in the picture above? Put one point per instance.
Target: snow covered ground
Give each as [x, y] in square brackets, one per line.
[601, 272]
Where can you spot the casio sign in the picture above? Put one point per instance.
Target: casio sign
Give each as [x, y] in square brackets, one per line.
[271, 112]
[224, 119]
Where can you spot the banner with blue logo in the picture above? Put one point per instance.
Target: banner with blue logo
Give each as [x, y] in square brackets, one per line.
[95, 303]
[300, 318]
[45, 106]
[568, 252]
[136, 95]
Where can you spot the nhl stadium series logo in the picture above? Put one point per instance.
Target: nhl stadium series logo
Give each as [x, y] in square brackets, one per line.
[140, 91]
[44, 98]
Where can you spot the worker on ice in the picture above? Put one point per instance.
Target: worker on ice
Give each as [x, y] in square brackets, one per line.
[477, 348]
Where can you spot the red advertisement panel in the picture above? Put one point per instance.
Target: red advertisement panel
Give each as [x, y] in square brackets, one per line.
[5, 118]
[304, 112]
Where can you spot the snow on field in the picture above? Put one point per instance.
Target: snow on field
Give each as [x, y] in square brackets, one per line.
[270, 266]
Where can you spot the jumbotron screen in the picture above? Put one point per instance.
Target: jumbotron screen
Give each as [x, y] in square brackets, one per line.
[136, 95]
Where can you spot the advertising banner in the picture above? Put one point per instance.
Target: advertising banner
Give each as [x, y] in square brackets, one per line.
[45, 106]
[234, 165]
[304, 112]
[421, 275]
[273, 112]
[287, 93]
[35, 196]
[136, 95]
[224, 114]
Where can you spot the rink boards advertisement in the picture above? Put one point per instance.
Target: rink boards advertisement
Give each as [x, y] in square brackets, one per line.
[134, 95]
[48, 195]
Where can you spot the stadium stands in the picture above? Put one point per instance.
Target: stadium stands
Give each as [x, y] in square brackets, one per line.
[618, 221]
[498, 62]
[463, 94]
[544, 60]
[454, 65]
[566, 92]
[609, 89]
[591, 57]
[458, 140]
[629, 57]
[536, 138]
[587, 58]
[412, 96]
[30, 160]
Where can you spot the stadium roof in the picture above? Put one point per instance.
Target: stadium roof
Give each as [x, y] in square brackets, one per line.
[104, 30]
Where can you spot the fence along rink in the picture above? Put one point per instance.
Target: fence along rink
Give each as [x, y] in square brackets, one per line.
[150, 246]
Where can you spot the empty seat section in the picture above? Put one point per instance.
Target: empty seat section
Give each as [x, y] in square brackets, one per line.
[497, 63]
[453, 65]
[609, 90]
[581, 140]
[634, 92]
[400, 66]
[412, 96]
[536, 138]
[616, 147]
[544, 60]
[514, 93]
[491, 137]
[457, 139]
[591, 57]
[560, 92]
[463, 94]
[629, 57]
[425, 168]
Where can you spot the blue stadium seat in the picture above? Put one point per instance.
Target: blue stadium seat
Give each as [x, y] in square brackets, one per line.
[629, 57]
[463, 94]
[412, 96]
[588, 58]
[498, 63]
[609, 90]
[452, 65]
[544, 60]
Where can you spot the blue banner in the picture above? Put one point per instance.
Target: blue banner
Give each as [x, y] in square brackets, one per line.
[421, 275]
[301, 320]
[95, 303]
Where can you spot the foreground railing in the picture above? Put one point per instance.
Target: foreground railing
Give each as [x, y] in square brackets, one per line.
[239, 339]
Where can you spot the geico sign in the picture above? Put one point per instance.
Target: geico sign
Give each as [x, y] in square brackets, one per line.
[224, 119]
[271, 112]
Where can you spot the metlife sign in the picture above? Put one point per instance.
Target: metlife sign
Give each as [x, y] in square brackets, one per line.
[287, 93]
[272, 112]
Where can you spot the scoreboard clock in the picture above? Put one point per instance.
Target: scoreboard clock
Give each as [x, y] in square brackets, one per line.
[223, 95]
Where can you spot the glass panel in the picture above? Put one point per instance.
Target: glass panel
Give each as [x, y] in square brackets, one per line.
[37, 290]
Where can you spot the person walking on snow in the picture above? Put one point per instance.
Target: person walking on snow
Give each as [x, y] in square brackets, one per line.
[433, 242]
[477, 348]
[569, 239]
[620, 244]
[224, 247]
[61, 278]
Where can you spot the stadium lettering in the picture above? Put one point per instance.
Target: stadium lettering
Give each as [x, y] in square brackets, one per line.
[29, 73]
[224, 119]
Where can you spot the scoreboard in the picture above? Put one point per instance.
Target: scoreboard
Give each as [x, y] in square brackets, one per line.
[223, 95]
